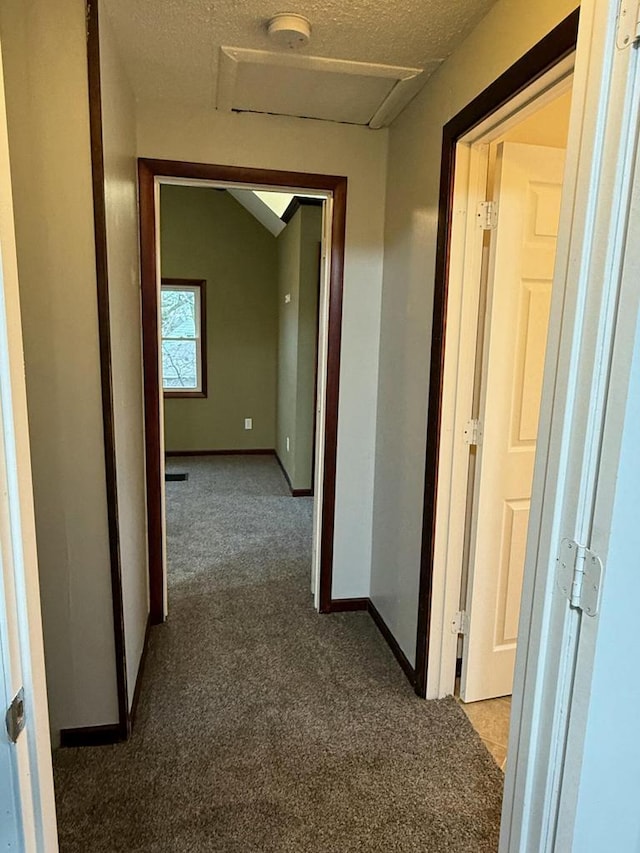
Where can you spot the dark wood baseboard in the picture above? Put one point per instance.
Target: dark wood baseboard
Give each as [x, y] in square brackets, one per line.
[295, 493]
[109, 734]
[251, 451]
[114, 732]
[345, 605]
[139, 677]
[92, 735]
[400, 656]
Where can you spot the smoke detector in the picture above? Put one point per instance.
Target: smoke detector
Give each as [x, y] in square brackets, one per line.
[289, 30]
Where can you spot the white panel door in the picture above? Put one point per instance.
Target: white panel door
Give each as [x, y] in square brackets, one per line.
[528, 188]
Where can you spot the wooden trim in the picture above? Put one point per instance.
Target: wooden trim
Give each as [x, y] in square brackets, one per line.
[348, 605]
[241, 175]
[252, 451]
[106, 381]
[148, 171]
[295, 493]
[151, 376]
[92, 736]
[296, 203]
[338, 231]
[393, 644]
[553, 48]
[139, 677]
[204, 353]
[316, 356]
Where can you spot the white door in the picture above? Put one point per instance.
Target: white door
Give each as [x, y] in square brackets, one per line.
[528, 187]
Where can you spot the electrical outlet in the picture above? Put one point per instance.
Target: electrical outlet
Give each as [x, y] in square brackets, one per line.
[287, 444]
[248, 423]
[287, 298]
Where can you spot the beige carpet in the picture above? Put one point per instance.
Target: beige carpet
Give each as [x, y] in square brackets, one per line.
[263, 726]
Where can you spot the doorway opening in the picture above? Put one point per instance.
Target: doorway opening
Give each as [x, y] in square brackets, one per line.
[524, 165]
[502, 173]
[308, 464]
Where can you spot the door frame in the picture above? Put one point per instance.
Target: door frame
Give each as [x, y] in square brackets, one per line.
[149, 171]
[468, 382]
[530, 68]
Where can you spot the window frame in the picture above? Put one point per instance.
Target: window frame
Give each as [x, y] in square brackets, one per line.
[198, 285]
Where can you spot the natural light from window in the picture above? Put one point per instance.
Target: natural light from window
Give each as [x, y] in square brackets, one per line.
[181, 338]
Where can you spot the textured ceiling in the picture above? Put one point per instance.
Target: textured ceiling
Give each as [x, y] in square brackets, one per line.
[171, 47]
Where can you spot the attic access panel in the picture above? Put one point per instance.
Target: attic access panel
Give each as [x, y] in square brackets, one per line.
[314, 87]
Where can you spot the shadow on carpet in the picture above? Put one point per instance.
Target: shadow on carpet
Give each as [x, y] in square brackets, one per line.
[263, 726]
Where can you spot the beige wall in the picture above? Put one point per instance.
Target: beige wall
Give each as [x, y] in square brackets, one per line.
[44, 44]
[298, 277]
[36, 739]
[206, 234]
[179, 132]
[505, 34]
[547, 126]
[119, 139]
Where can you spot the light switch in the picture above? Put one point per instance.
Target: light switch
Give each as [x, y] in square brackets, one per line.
[248, 423]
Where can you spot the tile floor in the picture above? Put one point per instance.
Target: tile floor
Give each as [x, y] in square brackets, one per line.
[490, 718]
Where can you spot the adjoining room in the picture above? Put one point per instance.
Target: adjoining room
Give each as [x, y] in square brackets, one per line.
[241, 275]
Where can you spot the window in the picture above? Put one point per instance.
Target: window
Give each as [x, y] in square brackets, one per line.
[184, 372]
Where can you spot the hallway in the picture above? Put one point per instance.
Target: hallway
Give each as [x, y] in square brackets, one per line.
[263, 726]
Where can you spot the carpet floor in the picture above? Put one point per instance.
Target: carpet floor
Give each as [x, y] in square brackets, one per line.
[263, 726]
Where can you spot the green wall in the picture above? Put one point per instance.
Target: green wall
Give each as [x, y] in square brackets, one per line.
[207, 234]
[298, 276]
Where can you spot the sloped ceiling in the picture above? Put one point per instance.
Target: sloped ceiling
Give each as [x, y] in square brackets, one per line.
[277, 201]
[172, 48]
[258, 208]
[267, 206]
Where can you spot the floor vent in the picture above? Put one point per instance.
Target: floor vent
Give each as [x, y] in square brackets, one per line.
[173, 478]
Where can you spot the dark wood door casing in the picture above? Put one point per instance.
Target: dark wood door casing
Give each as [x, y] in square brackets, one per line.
[148, 172]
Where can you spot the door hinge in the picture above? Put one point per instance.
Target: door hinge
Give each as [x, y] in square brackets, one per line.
[628, 31]
[15, 716]
[580, 576]
[487, 215]
[473, 432]
[460, 623]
